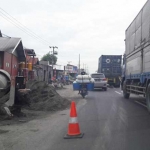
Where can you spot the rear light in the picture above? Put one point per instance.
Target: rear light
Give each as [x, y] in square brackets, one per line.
[105, 79]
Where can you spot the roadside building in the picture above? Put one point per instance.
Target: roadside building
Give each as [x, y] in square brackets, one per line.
[31, 62]
[71, 70]
[58, 71]
[44, 73]
[11, 54]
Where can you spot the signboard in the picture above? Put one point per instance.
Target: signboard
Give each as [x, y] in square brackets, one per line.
[69, 68]
[75, 68]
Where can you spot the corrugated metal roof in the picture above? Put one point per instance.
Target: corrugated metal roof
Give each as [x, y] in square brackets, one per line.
[14, 46]
[8, 44]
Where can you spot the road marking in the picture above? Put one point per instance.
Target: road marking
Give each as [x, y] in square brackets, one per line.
[117, 92]
[141, 104]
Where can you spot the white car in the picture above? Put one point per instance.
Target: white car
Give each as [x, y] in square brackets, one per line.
[99, 81]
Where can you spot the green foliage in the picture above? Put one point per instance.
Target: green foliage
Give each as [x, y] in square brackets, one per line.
[49, 57]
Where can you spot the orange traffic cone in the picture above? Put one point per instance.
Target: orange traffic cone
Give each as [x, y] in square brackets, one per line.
[73, 127]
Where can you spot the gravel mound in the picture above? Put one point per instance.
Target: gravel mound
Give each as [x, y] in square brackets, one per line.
[44, 97]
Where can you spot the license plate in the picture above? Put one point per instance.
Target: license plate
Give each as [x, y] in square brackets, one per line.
[97, 79]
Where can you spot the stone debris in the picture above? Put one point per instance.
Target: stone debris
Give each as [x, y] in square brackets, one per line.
[44, 97]
[38, 96]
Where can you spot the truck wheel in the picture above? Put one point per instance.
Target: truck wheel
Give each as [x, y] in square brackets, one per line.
[125, 94]
[148, 97]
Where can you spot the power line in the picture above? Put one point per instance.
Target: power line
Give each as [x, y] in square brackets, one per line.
[15, 25]
[6, 18]
[19, 25]
[23, 28]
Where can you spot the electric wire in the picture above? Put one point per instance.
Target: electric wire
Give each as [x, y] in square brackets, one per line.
[19, 25]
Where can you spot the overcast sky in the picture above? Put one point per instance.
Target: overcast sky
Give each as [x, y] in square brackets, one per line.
[90, 28]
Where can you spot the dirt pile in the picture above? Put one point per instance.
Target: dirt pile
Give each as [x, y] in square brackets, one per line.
[44, 97]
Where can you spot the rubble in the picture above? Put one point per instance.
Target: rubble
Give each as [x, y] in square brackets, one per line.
[33, 103]
[4, 99]
[5, 112]
[4, 109]
[43, 97]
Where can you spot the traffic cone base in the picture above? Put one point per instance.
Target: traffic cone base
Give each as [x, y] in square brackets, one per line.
[73, 136]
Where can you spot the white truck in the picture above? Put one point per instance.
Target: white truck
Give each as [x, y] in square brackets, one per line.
[136, 77]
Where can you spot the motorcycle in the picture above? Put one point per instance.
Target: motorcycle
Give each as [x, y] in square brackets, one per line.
[83, 91]
[83, 84]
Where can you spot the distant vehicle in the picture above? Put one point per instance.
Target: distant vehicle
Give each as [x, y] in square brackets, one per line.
[99, 81]
[83, 84]
[110, 65]
[136, 75]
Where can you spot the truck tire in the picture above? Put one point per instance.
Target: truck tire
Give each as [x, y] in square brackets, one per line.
[148, 97]
[125, 94]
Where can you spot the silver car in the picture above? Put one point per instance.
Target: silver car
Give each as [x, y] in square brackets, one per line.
[99, 81]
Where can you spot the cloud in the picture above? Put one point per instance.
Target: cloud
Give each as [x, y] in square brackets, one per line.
[89, 28]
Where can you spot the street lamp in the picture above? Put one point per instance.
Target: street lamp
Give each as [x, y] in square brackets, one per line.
[54, 53]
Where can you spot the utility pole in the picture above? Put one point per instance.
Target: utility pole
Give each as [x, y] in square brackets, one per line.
[0, 34]
[53, 52]
[85, 68]
[79, 63]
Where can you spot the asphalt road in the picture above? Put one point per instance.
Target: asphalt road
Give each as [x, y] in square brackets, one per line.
[108, 121]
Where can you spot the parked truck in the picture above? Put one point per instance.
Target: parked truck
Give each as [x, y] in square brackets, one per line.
[136, 74]
[110, 65]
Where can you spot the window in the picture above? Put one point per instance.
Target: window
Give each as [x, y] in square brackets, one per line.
[7, 65]
[118, 60]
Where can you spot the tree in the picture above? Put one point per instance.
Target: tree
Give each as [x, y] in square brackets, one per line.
[50, 58]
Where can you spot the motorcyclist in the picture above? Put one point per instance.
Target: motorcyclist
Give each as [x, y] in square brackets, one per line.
[82, 73]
